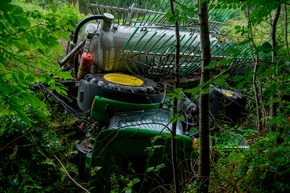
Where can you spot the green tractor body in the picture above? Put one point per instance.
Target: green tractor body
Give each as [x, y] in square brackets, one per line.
[103, 109]
[136, 143]
[141, 151]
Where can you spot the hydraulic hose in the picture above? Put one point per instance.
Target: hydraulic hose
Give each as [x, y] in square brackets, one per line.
[83, 22]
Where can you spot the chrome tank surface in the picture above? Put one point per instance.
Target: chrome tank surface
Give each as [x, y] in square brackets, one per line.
[142, 50]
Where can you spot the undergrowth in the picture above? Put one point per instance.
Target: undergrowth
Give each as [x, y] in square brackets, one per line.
[28, 153]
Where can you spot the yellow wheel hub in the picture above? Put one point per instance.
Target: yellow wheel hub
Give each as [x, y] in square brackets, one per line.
[123, 79]
[227, 94]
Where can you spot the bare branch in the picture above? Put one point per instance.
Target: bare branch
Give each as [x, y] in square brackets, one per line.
[80, 186]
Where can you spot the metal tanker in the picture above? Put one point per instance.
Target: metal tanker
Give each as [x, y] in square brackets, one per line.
[142, 50]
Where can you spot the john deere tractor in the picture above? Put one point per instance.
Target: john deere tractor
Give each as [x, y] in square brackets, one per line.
[123, 73]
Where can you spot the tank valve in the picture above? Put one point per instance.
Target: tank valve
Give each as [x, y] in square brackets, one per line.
[107, 21]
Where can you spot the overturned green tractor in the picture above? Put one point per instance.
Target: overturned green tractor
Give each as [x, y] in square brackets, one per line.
[120, 72]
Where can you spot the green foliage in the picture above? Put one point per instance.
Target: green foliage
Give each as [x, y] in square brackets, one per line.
[182, 13]
[259, 9]
[31, 131]
[29, 47]
[27, 153]
[265, 167]
[262, 168]
[123, 183]
[272, 76]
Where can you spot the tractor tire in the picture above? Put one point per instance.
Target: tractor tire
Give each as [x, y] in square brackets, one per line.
[126, 88]
[227, 106]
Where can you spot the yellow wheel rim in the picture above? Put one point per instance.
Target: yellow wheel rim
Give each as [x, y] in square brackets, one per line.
[227, 94]
[123, 79]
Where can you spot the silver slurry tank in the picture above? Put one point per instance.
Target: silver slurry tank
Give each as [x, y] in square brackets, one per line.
[148, 50]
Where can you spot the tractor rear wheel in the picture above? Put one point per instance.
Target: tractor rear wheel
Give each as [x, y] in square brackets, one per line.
[127, 88]
[227, 106]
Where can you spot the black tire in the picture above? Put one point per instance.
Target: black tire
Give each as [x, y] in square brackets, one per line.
[146, 93]
[227, 106]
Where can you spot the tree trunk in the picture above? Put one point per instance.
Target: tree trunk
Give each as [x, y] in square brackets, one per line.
[175, 108]
[256, 86]
[273, 105]
[286, 28]
[204, 165]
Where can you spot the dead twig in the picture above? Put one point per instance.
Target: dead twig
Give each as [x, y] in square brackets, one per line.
[80, 186]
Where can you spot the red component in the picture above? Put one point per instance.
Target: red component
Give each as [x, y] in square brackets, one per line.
[81, 126]
[193, 142]
[85, 64]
